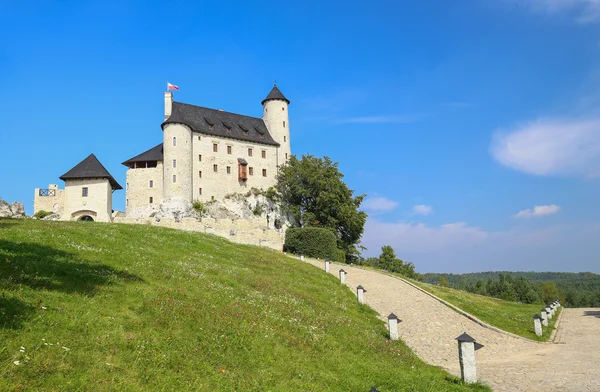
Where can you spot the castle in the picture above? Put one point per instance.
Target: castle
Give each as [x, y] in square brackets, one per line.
[205, 155]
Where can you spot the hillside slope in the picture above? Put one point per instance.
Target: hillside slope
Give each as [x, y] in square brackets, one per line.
[89, 306]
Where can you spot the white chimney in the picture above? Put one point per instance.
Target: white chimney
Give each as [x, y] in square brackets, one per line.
[168, 103]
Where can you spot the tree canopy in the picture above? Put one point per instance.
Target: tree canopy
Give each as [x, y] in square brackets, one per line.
[313, 191]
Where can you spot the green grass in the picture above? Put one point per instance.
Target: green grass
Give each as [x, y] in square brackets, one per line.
[91, 306]
[514, 317]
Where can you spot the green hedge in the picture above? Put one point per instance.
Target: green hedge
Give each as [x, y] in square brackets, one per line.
[339, 256]
[312, 242]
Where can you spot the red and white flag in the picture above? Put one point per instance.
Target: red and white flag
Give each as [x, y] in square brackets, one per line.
[171, 86]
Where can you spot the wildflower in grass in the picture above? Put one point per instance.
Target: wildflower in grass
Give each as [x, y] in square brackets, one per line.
[22, 349]
[66, 348]
[17, 363]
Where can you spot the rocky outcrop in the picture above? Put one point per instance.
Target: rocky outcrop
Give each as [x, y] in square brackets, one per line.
[14, 210]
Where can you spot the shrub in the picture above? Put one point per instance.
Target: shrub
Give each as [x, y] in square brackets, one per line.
[41, 214]
[312, 242]
[339, 256]
[198, 207]
[258, 209]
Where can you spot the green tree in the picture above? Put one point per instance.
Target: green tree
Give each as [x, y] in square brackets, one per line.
[444, 282]
[313, 191]
[549, 291]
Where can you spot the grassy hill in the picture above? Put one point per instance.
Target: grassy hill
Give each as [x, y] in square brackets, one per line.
[91, 306]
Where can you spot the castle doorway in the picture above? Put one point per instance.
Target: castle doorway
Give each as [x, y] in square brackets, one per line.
[86, 218]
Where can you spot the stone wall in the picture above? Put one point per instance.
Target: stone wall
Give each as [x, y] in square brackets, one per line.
[54, 203]
[217, 184]
[97, 203]
[138, 191]
[247, 232]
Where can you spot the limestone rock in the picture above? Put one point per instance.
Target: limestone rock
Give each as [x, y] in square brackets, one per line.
[51, 217]
[18, 210]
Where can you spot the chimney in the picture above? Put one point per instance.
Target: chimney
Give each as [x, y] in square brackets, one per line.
[168, 104]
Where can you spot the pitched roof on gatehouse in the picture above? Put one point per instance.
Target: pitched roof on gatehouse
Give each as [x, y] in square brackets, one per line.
[90, 167]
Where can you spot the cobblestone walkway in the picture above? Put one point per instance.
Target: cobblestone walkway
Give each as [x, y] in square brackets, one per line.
[506, 363]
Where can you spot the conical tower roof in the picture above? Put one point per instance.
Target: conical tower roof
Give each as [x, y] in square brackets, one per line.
[275, 94]
[90, 167]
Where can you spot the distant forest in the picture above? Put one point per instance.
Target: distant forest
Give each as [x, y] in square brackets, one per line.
[572, 289]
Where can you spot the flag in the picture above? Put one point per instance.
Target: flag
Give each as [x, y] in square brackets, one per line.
[171, 86]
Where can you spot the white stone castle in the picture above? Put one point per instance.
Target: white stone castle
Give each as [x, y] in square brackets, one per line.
[205, 155]
[208, 153]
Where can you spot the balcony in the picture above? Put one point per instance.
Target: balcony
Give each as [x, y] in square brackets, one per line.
[47, 192]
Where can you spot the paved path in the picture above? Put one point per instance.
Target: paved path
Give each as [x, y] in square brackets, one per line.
[506, 363]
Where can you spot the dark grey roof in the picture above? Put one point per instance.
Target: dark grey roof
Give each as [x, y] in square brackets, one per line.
[153, 154]
[90, 167]
[275, 94]
[220, 123]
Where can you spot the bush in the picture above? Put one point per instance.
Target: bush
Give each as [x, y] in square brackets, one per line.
[41, 214]
[339, 256]
[198, 207]
[312, 242]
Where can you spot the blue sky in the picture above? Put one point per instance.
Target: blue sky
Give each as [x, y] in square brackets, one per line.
[472, 126]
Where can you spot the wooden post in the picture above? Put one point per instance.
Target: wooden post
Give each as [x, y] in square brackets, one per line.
[466, 356]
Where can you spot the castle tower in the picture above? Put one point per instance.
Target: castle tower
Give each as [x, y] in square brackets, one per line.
[275, 116]
[177, 163]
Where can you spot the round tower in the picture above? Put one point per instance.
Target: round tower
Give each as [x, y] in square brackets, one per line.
[275, 116]
[177, 157]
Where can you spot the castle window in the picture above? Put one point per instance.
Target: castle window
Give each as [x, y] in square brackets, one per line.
[200, 174]
[174, 163]
[151, 184]
[215, 147]
[200, 191]
[228, 169]
[284, 138]
[249, 152]
[251, 171]
[215, 168]
[174, 141]
[282, 109]
[286, 155]
[284, 124]
[126, 202]
[264, 154]
[199, 138]
[212, 198]
[84, 192]
[228, 149]
[151, 199]
[174, 178]
[264, 172]
[200, 157]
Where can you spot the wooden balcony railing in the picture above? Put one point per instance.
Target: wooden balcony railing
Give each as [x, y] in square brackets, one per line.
[47, 192]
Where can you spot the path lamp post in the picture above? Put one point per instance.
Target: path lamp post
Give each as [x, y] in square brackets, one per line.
[360, 294]
[544, 317]
[537, 324]
[466, 355]
[393, 322]
[327, 263]
[342, 276]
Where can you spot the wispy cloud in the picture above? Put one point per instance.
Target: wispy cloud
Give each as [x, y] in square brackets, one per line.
[538, 211]
[551, 147]
[422, 209]
[585, 11]
[379, 204]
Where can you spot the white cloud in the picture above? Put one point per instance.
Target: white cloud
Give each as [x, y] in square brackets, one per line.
[379, 204]
[422, 209]
[459, 247]
[586, 11]
[550, 147]
[538, 211]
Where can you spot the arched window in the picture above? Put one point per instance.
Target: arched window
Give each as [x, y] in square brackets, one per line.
[174, 141]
